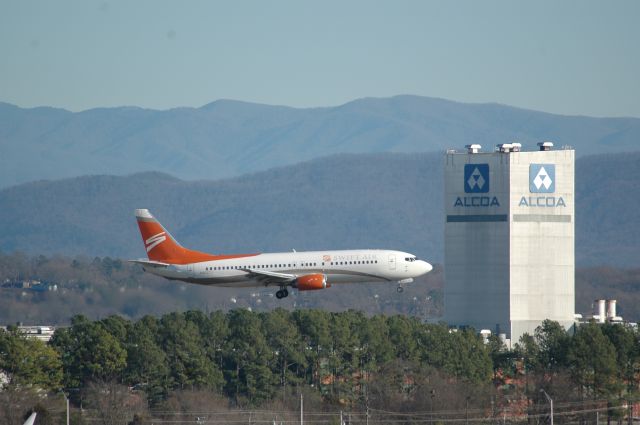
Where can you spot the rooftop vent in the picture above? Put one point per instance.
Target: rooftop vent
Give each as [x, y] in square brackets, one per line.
[474, 148]
[545, 146]
[504, 147]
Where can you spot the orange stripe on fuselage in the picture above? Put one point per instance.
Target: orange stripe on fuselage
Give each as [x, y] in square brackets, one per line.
[162, 247]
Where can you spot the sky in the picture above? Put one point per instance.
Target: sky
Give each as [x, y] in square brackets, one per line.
[566, 57]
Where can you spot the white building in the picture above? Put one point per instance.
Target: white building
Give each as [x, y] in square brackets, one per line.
[509, 238]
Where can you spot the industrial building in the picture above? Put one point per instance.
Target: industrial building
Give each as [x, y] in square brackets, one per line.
[509, 238]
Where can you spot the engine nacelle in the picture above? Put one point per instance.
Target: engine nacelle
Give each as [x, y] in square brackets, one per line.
[311, 282]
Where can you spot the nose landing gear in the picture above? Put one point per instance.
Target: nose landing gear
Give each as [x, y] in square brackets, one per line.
[400, 288]
[282, 293]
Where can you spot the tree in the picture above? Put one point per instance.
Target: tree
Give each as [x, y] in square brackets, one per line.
[117, 326]
[188, 364]
[402, 336]
[147, 365]
[247, 358]
[313, 326]
[627, 347]
[214, 331]
[287, 345]
[89, 353]
[553, 344]
[29, 362]
[593, 362]
[501, 357]
[110, 403]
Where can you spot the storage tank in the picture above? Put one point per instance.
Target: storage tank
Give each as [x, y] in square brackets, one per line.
[611, 309]
[601, 310]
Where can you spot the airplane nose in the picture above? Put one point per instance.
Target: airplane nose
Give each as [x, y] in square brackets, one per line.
[425, 267]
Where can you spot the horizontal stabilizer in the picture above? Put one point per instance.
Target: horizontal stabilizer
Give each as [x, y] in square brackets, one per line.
[150, 263]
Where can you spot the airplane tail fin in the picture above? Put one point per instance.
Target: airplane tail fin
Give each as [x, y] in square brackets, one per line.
[163, 249]
[159, 243]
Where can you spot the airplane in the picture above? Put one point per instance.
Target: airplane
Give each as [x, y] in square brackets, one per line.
[304, 271]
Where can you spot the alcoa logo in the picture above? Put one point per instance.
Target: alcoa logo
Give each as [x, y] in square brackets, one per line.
[155, 240]
[542, 178]
[476, 178]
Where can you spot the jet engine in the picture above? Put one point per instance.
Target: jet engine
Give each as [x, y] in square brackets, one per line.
[311, 282]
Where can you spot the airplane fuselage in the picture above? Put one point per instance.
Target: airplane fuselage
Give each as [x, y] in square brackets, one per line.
[346, 266]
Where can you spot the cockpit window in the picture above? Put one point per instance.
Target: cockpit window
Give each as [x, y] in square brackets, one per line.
[410, 259]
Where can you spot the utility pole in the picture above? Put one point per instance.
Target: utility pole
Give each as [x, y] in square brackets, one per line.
[466, 412]
[66, 399]
[550, 402]
[302, 410]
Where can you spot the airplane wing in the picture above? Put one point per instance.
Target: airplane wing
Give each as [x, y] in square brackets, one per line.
[267, 278]
[150, 264]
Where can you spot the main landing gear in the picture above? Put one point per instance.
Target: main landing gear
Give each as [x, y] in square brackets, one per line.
[282, 293]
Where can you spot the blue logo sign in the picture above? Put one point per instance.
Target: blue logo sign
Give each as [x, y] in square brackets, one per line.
[542, 178]
[476, 178]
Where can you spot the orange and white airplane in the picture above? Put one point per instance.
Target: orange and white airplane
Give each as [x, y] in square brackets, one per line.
[301, 270]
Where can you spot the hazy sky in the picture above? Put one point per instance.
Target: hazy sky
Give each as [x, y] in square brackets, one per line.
[568, 57]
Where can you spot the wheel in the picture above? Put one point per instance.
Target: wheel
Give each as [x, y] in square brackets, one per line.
[279, 294]
[400, 289]
[285, 293]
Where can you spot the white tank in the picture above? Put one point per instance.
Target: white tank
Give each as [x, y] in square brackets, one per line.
[611, 309]
[601, 310]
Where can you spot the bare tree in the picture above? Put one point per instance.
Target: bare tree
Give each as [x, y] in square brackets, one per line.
[110, 403]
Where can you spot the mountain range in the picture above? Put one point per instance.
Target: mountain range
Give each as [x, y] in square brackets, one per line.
[229, 138]
[384, 200]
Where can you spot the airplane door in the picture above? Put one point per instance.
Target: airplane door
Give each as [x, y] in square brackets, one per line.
[392, 261]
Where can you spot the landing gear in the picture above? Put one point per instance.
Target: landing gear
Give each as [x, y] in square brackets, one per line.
[402, 282]
[282, 293]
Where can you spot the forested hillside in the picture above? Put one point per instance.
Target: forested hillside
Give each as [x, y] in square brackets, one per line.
[229, 138]
[389, 201]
